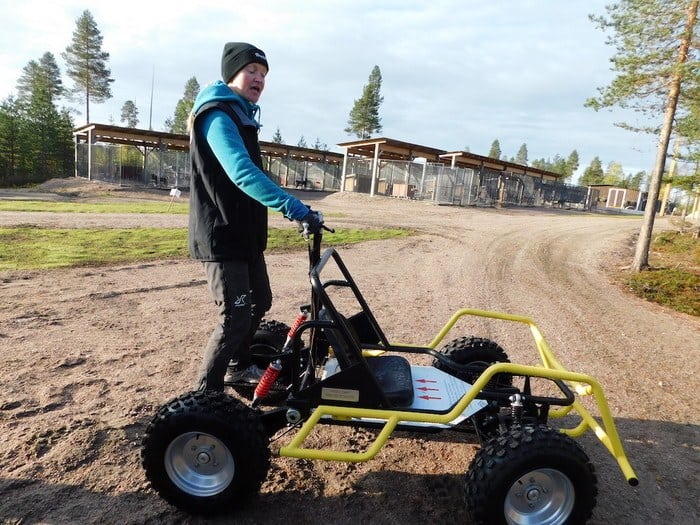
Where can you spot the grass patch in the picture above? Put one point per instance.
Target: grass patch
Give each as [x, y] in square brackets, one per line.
[98, 207]
[289, 238]
[673, 279]
[28, 247]
[177, 207]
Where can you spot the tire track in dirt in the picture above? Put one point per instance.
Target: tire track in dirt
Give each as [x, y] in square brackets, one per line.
[127, 353]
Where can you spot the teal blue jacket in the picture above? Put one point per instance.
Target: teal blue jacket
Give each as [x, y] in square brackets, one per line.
[226, 143]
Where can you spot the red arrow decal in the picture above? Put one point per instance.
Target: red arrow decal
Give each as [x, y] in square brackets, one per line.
[429, 397]
[426, 388]
[425, 381]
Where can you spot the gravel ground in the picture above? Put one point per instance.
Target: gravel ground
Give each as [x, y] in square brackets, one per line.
[89, 354]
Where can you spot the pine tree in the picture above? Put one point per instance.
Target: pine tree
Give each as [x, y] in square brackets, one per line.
[364, 117]
[40, 82]
[495, 151]
[560, 166]
[11, 146]
[277, 137]
[521, 156]
[652, 39]
[541, 164]
[636, 180]
[87, 64]
[178, 124]
[572, 163]
[593, 174]
[302, 142]
[39, 88]
[130, 114]
[37, 142]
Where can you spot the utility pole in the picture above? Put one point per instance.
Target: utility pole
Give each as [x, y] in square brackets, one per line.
[150, 109]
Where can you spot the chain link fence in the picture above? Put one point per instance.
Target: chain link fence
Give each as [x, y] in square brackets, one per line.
[129, 165]
[289, 172]
[464, 186]
[132, 166]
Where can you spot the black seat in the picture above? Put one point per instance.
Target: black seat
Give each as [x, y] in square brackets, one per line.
[392, 372]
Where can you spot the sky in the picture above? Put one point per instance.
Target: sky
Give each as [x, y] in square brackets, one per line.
[456, 75]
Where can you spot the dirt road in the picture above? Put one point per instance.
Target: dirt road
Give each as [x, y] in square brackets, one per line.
[89, 354]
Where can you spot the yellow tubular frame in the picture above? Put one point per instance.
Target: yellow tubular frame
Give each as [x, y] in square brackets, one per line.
[582, 384]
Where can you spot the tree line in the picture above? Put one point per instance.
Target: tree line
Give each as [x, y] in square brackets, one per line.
[594, 174]
[35, 134]
[656, 62]
[36, 141]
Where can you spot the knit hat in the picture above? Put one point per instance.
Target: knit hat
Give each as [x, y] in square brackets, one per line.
[238, 55]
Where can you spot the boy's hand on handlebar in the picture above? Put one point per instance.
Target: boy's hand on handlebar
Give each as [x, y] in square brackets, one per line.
[311, 223]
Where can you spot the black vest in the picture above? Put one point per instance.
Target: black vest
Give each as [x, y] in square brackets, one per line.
[225, 223]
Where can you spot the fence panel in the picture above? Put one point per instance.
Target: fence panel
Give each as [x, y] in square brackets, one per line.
[130, 165]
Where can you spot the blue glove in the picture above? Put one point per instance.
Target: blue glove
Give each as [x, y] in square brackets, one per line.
[312, 222]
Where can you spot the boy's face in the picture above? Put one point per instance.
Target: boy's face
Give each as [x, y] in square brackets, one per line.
[249, 82]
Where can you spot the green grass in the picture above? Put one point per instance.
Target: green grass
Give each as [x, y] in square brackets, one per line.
[177, 207]
[673, 279]
[111, 207]
[27, 247]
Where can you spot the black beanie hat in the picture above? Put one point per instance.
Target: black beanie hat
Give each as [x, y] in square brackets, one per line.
[238, 55]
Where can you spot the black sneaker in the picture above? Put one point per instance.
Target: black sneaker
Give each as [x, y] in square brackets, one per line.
[252, 375]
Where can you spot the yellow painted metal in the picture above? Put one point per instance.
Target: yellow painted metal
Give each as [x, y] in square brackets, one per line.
[582, 384]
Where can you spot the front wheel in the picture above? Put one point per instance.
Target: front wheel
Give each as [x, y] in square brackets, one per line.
[205, 453]
[531, 474]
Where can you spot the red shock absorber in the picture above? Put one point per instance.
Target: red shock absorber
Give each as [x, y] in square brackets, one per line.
[303, 316]
[268, 379]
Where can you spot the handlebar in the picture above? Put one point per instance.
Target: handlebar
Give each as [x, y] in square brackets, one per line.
[306, 232]
[306, 229]
[314, 238]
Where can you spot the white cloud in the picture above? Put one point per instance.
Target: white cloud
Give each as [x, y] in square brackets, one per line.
[455, 74]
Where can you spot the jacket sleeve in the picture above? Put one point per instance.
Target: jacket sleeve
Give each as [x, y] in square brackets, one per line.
[226, 143]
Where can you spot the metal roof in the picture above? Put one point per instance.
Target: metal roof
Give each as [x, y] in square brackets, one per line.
[131, 136]
[174, 141]
[391, 149]
[388, 149]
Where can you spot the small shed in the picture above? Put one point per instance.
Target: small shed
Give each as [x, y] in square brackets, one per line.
[622, 198]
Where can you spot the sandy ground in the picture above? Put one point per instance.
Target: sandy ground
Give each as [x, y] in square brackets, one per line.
[89, 354]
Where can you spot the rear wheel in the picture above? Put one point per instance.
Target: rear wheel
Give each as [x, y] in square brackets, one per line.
[479, 353]
[268, 341]
[205, 452]
[531, 474]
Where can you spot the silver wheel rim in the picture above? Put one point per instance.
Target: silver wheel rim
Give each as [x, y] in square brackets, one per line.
[543, 497]
[199, 464]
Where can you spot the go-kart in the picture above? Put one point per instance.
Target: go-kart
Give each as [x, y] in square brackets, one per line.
[209, 452]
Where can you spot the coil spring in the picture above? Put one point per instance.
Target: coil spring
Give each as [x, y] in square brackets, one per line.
[268, 379]
[303, 316]
[516, 407]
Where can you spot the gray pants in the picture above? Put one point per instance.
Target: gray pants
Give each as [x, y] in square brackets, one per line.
[241, 292]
